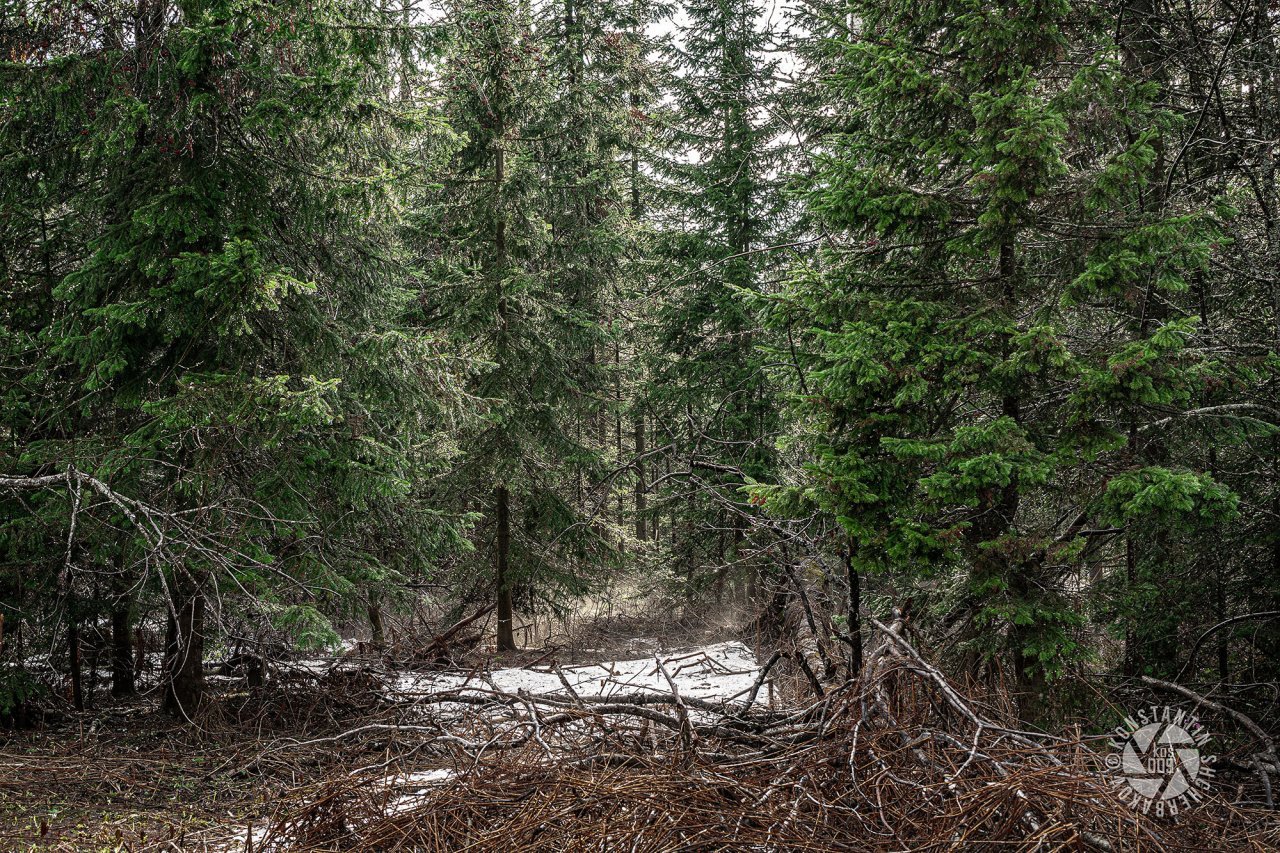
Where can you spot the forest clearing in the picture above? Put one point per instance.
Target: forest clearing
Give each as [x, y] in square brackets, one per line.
[654, 425]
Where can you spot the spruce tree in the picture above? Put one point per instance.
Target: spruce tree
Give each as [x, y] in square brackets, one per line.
[977, 343]
[222, 337]
[720, 210]
[518, 232]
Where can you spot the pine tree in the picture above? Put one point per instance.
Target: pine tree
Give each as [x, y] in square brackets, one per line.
[976, 347]
[222, 338]
[520, 233]
[708, 389]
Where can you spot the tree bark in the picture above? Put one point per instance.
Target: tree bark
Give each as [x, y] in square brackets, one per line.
[184, 651]
[641, 532]
[506, 634]
[1131, 652]
[854, 619]
[94, 659]
[73, 648]
[122, 680]
[122, 684]
[139, 653]
[378, 633]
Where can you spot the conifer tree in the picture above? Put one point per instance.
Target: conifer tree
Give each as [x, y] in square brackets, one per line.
[967, 414]
[221, 335]
[708, 390]
[516, 233]
[590, 209]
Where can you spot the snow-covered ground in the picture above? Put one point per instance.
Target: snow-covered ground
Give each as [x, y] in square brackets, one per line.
[724, 672]
[721, 673]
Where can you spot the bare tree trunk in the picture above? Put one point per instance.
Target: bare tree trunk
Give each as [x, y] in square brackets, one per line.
[854, 617]
[376, 630]
[94, 659]
[121, 652]
[641, 532]
[139, 653]
[506, 636]
[184, 651]
[122, 683]
[73, 647]
[1131, 652]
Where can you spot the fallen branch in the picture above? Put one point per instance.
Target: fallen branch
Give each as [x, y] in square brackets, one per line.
[1268, 743]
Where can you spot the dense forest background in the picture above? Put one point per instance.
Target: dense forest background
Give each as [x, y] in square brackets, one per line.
[313, 309]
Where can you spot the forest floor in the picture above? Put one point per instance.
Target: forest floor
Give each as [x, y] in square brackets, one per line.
[121, 776]
[637, 733]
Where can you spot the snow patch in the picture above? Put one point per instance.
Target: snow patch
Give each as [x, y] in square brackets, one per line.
[721, 673]
[724, 672]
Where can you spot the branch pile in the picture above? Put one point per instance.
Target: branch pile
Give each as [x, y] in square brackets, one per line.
[897, 759]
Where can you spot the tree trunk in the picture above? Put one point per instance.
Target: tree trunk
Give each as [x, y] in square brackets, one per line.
[641, 532]
[184, 651]
[617, 426]
[139, 653]
[94, 659]
[122, 682]
[73, 647]
[506, 636]
[379, 635]
[854, 618]
[1131, 651]
[998, 520]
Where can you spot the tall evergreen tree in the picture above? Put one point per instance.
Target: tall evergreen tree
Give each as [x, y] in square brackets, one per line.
[980, 351]
[590, 209]
[221, 337]
[709, 392]
[520, 233]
